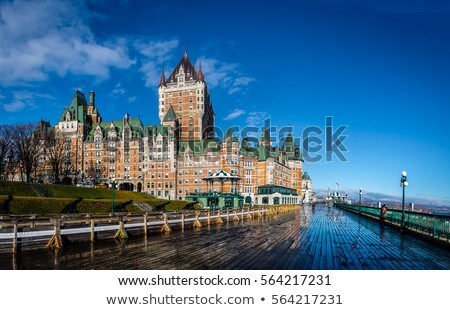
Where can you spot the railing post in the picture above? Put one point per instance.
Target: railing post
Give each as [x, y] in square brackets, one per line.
[16, 227]
[249, 215]
[92, 230]
[228, 216]
[55, 242]
[182, 220]
[197, 223]
[145, 223]
[209, 218]
[235, 217]
[166, 228]
[219, 218]
[121, 232]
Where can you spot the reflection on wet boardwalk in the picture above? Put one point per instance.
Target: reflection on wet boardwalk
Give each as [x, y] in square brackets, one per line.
[308, 239]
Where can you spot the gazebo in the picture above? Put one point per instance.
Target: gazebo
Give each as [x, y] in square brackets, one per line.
[222, 177]
[219, 200]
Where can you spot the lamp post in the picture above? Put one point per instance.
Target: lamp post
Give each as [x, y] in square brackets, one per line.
[113, 184]
[403, 184]
[360, 195]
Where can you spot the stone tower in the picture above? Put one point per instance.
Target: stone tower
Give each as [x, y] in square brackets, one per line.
[186, 93]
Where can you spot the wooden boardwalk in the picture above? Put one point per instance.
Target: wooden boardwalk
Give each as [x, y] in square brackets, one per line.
[307, 239]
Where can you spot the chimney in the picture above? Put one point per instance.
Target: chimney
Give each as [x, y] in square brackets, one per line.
[92, 98]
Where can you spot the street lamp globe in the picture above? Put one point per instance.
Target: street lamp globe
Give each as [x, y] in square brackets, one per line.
[403, 184]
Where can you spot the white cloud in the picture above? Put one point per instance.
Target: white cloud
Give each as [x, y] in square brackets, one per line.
[234, 114]
[15, 106]
[38, 38]
[132, 99]
[118, 90]
[225, 75]
[156, 54]
[256, 118]
[24, 99]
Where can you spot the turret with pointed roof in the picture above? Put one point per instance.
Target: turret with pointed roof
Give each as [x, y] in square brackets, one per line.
[200, 75]
[306, 176]
[291, 149]
[229, 136]
[184, 65]
[162, 80]
[265, 138]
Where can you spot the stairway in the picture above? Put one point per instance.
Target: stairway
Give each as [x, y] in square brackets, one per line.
[39, 189]
[143, 206]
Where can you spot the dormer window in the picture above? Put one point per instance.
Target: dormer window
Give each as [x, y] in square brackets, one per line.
[181, 80]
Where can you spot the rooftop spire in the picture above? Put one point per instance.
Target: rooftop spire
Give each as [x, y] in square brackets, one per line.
[162, 80]
[185, 54]
[201, 75]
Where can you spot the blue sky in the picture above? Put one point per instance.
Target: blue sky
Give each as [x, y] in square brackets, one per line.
[379, 67]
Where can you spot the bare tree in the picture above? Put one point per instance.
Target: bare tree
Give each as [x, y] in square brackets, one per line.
[28, 147]
[5, 147]
[54, 148]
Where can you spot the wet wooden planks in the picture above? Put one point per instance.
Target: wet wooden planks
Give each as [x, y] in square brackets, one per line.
[323, 238]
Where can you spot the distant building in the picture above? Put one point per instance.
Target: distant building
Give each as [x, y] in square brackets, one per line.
[275, 195]
[308, 195]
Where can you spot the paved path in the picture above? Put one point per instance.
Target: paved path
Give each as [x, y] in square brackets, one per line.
[309, 239]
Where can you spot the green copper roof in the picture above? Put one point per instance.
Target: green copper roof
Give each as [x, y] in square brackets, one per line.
[229, 135]
[170, 115]
[265, 135]
[154, 130]
[291, 149]
[263, 154]
[200, 147]
[306, 177]
[137, 128]
[76, 108]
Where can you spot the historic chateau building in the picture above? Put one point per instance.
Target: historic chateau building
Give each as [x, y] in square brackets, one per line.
[171, 159]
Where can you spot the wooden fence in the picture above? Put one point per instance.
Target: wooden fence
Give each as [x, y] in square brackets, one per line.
[51, 229]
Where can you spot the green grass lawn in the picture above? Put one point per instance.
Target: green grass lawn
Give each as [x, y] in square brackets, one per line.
[26, 200]
[64, 191]
[16, 189]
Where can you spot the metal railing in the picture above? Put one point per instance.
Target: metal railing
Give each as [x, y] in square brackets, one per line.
[433, 225]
